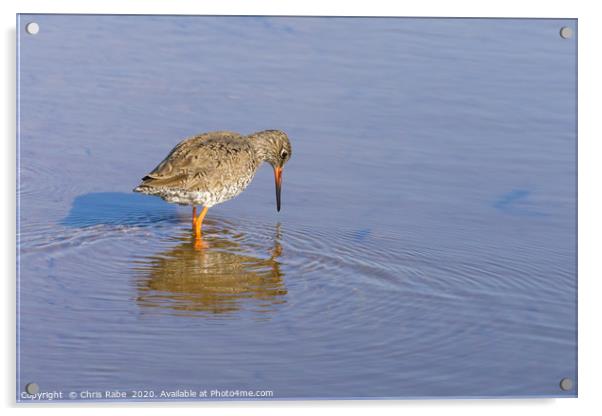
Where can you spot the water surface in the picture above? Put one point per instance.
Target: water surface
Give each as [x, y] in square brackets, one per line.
[427, 241]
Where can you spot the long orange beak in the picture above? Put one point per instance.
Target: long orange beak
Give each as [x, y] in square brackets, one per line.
[278, 181]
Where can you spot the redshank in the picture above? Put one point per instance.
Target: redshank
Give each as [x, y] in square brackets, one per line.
[214, 167]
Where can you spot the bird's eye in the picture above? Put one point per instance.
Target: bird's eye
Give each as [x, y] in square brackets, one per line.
[283, 154]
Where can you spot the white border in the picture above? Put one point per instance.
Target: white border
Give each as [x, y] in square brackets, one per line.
[590, 201]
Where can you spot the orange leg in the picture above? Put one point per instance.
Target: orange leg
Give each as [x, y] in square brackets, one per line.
[193, 218]
[198, 223]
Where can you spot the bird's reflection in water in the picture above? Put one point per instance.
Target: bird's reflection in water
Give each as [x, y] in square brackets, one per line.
[218, 280]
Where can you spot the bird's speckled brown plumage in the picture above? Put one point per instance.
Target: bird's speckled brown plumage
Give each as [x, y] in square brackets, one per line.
[214, 167]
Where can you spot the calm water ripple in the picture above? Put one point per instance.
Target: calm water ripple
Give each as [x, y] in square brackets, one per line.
[428, 226]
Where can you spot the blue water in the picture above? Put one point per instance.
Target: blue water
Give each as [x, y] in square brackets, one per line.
[427, 241]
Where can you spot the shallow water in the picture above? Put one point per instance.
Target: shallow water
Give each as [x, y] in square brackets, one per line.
[427, 241]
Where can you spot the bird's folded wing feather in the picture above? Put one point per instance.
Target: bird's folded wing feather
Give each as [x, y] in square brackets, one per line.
[190, 162]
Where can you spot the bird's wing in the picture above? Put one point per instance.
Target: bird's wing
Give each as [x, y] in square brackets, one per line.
[192, 161]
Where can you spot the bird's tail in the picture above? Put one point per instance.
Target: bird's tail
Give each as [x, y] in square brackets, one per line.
[152, 184]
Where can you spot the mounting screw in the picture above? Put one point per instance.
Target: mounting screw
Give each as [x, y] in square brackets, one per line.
[566, 32]
[32, 28]
[32, 388]
[566, 384]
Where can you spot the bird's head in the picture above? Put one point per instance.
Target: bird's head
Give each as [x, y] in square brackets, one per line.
[273, 147]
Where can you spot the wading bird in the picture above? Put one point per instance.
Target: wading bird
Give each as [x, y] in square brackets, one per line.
[214, 167]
